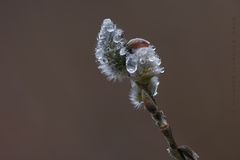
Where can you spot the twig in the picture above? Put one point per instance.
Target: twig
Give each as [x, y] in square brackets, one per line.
[175, 151]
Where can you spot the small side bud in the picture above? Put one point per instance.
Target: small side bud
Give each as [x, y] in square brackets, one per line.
[188, 153]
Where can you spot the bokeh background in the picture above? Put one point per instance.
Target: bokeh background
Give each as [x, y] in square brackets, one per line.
[55, 104]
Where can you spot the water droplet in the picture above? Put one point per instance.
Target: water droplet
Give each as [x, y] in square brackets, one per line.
[155, 88]
[142, 51]
[151, 58]
[107, 20]
[131, 64]
[108, 25]
[154, 85]
[162, 70]
[157, 70]
[122, 51]
[117, 36]
[158, 61]
[118, 46]
[142, 60]
[101, 36]
[103, 60]
[99, 53]
[110, 28]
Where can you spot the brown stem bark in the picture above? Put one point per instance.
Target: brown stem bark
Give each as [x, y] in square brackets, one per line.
[175, 151]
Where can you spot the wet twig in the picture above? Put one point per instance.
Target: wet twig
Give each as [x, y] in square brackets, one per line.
[175, 151]
[137, 60]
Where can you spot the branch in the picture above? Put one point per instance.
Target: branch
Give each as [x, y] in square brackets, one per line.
[175, 151]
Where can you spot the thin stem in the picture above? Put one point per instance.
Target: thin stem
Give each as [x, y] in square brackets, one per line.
[175, 151]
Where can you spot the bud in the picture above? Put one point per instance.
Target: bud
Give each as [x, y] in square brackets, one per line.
[144, 67]
[109, 43]
[135, 59]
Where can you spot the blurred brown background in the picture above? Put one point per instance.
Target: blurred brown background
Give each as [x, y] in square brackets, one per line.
[55, 105]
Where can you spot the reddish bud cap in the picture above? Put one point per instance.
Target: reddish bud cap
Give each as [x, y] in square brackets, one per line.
[137, 43]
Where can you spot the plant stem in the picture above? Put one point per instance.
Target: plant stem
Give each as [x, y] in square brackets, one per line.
[175, 151]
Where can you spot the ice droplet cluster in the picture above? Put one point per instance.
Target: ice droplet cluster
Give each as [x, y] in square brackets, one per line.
[144, 62]
[110, 41]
